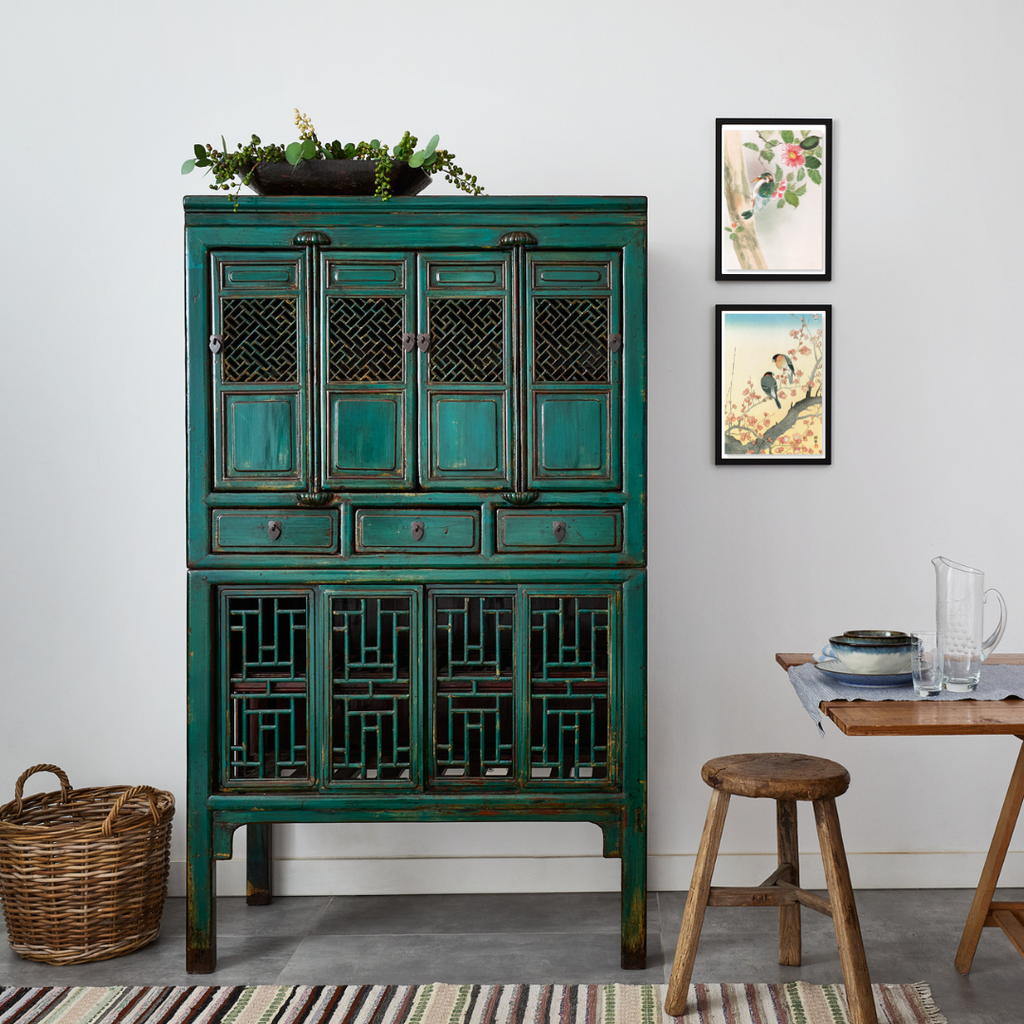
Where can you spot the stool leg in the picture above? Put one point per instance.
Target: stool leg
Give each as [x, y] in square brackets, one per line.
[696, 902]
[844, 914]
[789, 917]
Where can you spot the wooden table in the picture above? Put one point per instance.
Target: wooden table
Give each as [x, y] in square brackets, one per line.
[953, 718]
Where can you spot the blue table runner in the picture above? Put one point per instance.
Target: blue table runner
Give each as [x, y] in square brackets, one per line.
[814, 686]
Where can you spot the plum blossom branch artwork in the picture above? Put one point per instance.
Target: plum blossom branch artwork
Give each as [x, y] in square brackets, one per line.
[773, 374]
[774, 199]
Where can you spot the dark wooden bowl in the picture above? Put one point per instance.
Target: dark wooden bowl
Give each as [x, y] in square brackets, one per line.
[334, 178]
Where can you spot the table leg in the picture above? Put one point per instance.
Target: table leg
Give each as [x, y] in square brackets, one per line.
[993, 865]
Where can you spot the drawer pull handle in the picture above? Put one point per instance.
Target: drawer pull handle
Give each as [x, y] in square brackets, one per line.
[416, 529]
[274, 529]
[614, 342]
[558, 528]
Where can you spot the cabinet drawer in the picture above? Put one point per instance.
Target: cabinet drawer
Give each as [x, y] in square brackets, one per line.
[538, 530]
[237, 530]
[384, 530]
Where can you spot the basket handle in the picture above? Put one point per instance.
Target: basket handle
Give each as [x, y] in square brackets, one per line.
[19, 786]
[129, 794]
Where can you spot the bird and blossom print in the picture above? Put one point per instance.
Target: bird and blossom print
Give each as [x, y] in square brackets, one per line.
[772, 374]
[773, 200]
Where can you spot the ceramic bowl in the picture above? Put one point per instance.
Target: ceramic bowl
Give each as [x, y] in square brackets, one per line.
[877, 636]
[871, 655]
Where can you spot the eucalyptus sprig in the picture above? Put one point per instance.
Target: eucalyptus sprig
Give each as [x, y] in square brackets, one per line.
[236, 168]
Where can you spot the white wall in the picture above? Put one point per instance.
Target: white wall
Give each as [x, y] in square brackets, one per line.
[101, 103]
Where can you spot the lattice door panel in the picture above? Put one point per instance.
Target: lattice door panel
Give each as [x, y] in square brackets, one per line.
[570, 340]
[569, 687]
[259, 335]
[365, 338]
[267, 687]
[467, 340]
[372, 656]
[474, 698]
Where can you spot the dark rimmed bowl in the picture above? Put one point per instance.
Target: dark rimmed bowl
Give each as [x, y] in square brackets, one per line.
[872, 638]
[877, 636]
[871, 655]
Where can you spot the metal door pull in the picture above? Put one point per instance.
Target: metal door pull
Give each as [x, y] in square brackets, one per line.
[558, 528]
[416, 529]
[274, 529]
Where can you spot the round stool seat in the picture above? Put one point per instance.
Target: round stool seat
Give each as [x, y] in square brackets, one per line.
[777, 776]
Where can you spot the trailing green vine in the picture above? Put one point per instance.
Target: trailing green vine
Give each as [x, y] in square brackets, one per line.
[235, 169]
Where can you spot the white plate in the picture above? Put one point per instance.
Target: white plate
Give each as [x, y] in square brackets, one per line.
[835, 671]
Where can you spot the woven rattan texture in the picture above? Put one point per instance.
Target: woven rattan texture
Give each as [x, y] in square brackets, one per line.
[83, 872]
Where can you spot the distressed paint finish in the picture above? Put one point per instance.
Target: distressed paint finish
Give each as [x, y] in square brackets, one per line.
[377, 630]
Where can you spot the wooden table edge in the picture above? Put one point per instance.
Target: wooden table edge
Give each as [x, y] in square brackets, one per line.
[923, 718]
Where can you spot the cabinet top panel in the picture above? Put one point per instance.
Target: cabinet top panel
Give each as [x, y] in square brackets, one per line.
[219, 210]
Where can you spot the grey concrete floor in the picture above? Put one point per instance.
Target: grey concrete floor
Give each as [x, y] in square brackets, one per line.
[909, 935]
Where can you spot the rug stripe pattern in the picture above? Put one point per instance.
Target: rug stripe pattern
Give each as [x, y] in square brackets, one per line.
[792, 1003]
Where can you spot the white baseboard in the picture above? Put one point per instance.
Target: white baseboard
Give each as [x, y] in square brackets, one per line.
[366, 876]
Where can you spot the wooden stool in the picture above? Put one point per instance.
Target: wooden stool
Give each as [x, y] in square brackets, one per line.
[785, 778]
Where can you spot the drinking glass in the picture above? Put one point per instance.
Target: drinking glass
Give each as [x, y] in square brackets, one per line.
[925, 665]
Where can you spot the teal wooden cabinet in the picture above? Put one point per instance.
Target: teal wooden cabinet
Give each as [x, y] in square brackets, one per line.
[416, 523]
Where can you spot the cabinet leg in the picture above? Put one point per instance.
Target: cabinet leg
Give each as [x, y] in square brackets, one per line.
[634, 892]
[201, 896]
[258, 862]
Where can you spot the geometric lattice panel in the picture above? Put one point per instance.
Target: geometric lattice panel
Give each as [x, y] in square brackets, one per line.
[474, 713]
[267, 687]
[259, 336]
[569, 687]
[467, 340]
[570, 340]
[370, 672]
[365, 341]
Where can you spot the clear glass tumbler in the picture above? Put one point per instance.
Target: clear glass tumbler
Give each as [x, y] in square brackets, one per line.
[925, 663]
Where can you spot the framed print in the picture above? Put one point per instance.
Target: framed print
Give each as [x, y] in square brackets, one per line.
[773, 384]
[774, 204]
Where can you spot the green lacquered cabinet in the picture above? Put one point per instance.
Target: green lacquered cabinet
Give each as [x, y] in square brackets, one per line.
[416, 522]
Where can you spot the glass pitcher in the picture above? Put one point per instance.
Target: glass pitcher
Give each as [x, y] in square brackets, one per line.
[960, 597]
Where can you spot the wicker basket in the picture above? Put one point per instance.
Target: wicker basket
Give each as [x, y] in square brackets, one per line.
[83, 872]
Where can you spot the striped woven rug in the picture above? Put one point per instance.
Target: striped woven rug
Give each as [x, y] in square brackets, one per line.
[793, 1003]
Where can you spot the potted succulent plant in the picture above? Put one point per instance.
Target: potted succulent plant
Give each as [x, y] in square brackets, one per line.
[312, 167]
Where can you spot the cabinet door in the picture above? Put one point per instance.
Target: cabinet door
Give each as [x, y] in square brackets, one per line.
[573, 342]
[572, 685]
[259, 371]
[524, 686]
[367, 377]
[265, 688]
[373, 657]
[473, 686]
[465, 376]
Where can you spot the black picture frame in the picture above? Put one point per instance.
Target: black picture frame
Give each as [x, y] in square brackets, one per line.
[794, 208]
[786, 419]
